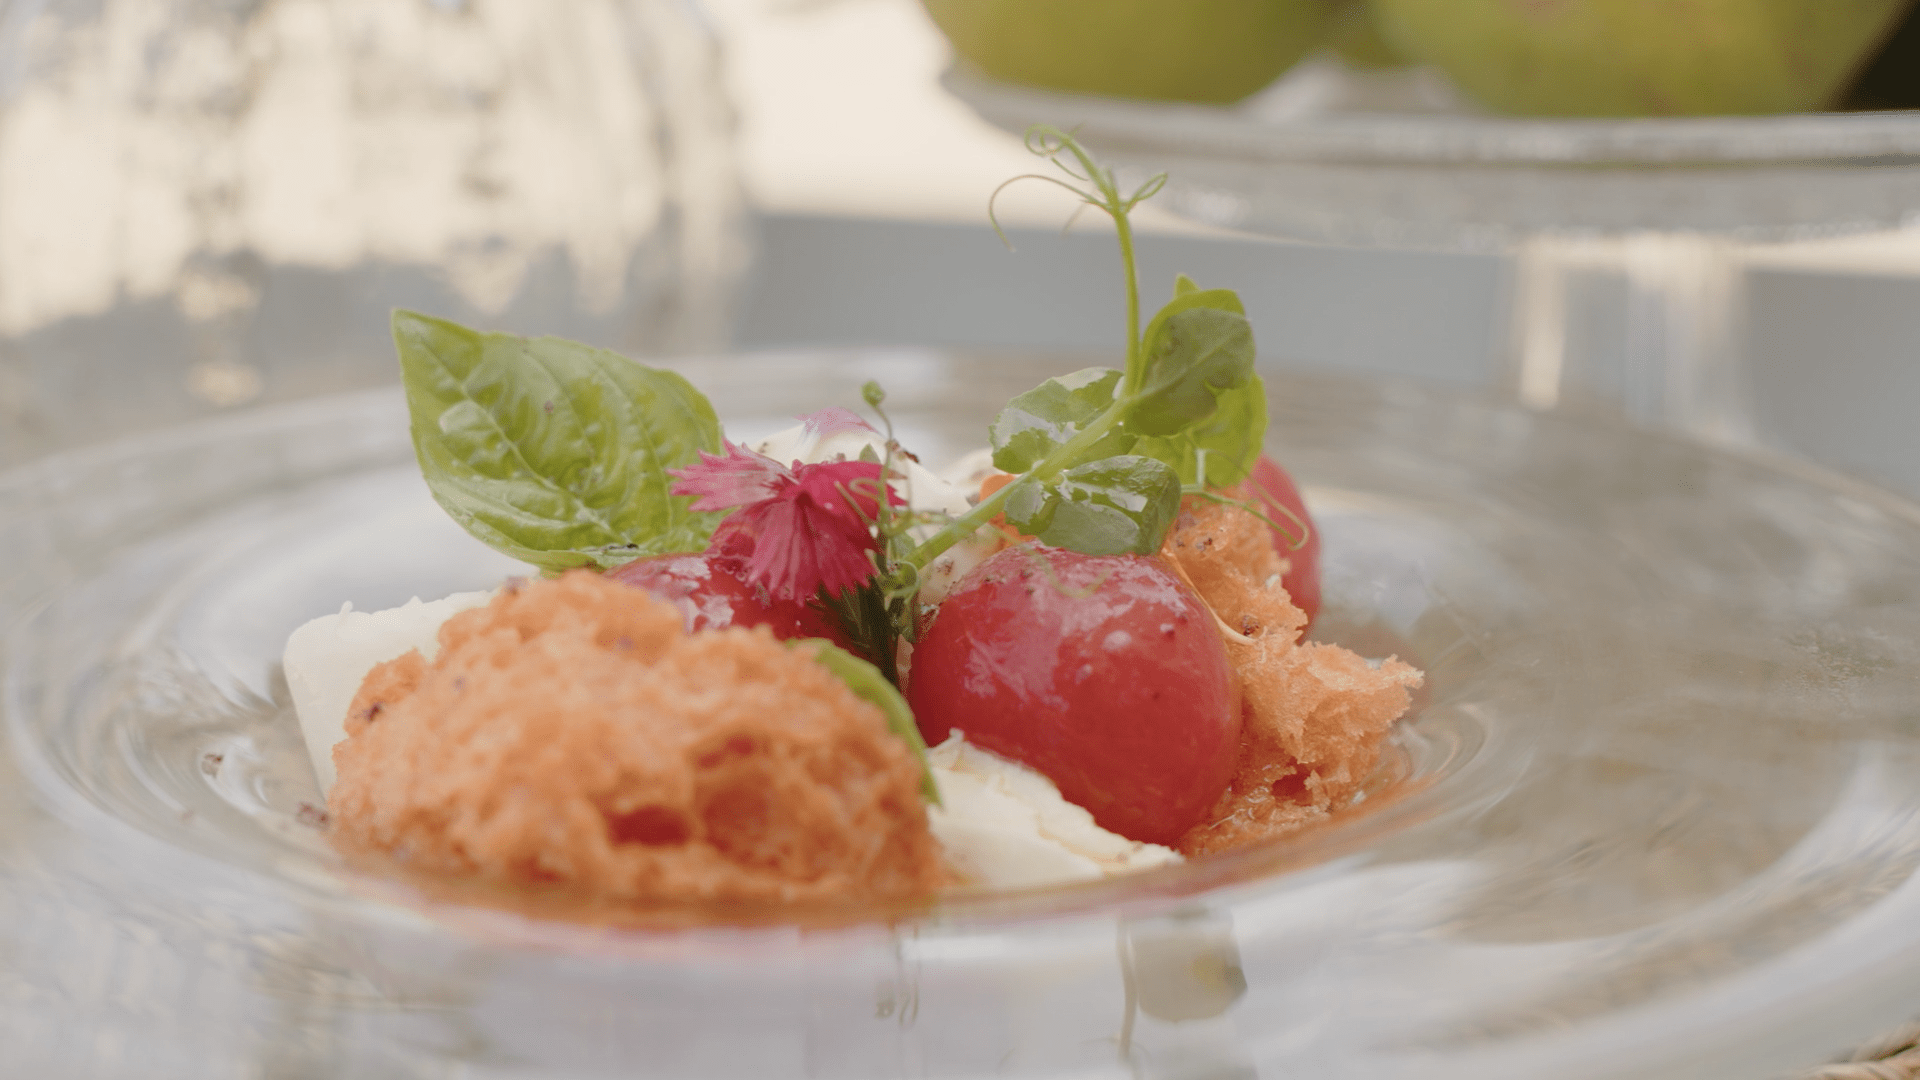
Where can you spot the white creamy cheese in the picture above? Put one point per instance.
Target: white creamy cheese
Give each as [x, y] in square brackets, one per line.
[327, 658]
[972, 468]
[1006, 826]
[964, 476]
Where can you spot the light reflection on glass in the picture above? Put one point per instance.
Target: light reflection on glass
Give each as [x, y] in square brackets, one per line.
[209, 204]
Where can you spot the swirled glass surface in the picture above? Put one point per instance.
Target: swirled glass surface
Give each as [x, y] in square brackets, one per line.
[1656, 813]
[1397, 158]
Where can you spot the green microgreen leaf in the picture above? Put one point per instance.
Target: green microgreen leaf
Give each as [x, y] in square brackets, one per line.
[890, 610]
[1197, 347]
[1227, 445]
[550, 451]
[1113, 506]
[1188, 406]
[1038, 423]
[868, 684]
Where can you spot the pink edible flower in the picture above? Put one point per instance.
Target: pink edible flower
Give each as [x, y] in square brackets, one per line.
[800, 530]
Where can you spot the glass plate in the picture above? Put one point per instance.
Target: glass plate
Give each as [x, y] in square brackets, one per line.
[1393, 158]
[1657, 812]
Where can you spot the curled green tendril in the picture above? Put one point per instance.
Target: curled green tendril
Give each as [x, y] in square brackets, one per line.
[1044, 140]
[896, 579]
[1051, 143]
[903, 583]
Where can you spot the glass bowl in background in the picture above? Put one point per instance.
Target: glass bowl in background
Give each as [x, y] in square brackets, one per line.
[216, 203]
[1657, 812]
[1627, 235]
[1397, 158]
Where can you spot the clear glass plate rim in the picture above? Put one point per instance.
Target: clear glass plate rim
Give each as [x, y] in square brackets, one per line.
[1868, 139]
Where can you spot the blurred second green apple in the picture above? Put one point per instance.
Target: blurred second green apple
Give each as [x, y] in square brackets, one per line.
[1643, 57]
[1176, 50]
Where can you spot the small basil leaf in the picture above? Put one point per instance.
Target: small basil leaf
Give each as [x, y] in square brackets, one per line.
[1231, 439]
[1193, 354]
[550, 451]
[1040, 421]
[869, 685]
[1114, 506]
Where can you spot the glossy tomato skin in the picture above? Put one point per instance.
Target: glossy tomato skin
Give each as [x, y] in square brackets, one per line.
[1302, 579]
[1102, 671]
[711, 590]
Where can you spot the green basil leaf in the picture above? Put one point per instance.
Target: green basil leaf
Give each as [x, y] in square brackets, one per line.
[550, 451]
[1229, 442]
[1198, 346]
[1114, 506]
[869, 685]
[1043, 419]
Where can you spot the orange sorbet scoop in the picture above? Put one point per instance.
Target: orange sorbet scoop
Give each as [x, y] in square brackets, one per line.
[572, 734]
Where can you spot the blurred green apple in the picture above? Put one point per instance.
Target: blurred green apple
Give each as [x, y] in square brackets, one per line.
[1176, 50]
[1356, 39]
[1643, 57]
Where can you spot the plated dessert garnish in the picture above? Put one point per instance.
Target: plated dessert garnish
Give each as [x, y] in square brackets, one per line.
[720, 681]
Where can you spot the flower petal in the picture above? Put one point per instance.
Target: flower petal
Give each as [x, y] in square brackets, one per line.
[815, 532]
[860, 480]
[819, 425]
[799, 547]
[739, 477]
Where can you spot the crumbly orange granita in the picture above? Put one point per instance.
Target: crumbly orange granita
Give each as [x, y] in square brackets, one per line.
[1315, 714]
[571, 733]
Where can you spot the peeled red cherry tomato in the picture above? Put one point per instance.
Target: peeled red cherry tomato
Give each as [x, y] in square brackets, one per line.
[1302, 579]
[712, 591]
[1102, 671]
